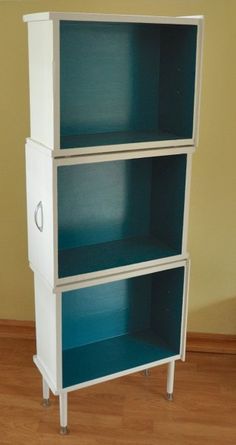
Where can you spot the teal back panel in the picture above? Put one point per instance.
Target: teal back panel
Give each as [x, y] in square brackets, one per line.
[103, 202]
[128, 79]
[166, 307]
[108, 77]
[150, 302]
[118, 200]
[96, 313]
[177, 78]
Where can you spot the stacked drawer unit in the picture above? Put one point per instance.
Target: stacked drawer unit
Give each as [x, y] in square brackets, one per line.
[114, 110]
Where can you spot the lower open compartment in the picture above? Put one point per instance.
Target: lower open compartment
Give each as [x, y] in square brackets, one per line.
[118, 326]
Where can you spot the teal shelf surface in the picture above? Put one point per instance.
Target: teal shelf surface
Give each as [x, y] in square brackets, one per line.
[98, 139]
[110, 356]
[112, 254]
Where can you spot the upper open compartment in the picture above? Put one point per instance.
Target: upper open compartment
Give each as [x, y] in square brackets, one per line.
[116, 82]
[124, 83]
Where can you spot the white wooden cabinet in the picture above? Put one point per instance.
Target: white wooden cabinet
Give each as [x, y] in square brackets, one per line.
[114, 105]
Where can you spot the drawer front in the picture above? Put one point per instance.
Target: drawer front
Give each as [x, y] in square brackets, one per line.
[39, 178]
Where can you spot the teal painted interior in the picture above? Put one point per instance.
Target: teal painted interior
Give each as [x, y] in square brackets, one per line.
[117, 213]
[112, 254]
[125, 137]
[168, 191]
[111, 356]
[166, 307]
[125, 82]
[177, 77]
[120, 325]
[99, 312]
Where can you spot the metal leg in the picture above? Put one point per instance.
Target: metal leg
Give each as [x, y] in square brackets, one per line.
[170, 380]
[63, 413]
[46, 401]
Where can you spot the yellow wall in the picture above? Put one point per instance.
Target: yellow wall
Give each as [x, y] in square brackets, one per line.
[212, 233]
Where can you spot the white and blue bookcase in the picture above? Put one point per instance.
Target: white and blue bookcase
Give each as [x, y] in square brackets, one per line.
[114, 107]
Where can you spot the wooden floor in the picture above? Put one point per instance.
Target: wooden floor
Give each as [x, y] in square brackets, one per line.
[129, 410]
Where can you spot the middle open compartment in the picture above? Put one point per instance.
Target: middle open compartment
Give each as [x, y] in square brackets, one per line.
[122, 213]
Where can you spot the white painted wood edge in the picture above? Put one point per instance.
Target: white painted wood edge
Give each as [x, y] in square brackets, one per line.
[120, 374]
[100, 149]
[97, 17]
[185, 311]
[93, 149]
[110, 277]
[55, 221]
[59, 339]
[56, 84]
[39, 146]
[126, 146]
[116, 271]
[198, 82]
[119, 276]
[98, 279]
[198, 16]
[71, 157]
[93, 158]
[41, 367]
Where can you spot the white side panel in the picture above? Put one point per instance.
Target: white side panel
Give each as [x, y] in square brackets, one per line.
[198, 82]
[39, 178]
[185, 311]
[48, 331]
[40, 40]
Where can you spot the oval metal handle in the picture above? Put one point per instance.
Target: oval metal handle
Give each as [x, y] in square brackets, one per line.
[39, 209]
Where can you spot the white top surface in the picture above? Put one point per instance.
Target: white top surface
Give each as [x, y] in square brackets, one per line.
[80, 16]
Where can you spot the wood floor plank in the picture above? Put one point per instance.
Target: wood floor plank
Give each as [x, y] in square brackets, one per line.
[131, 410]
